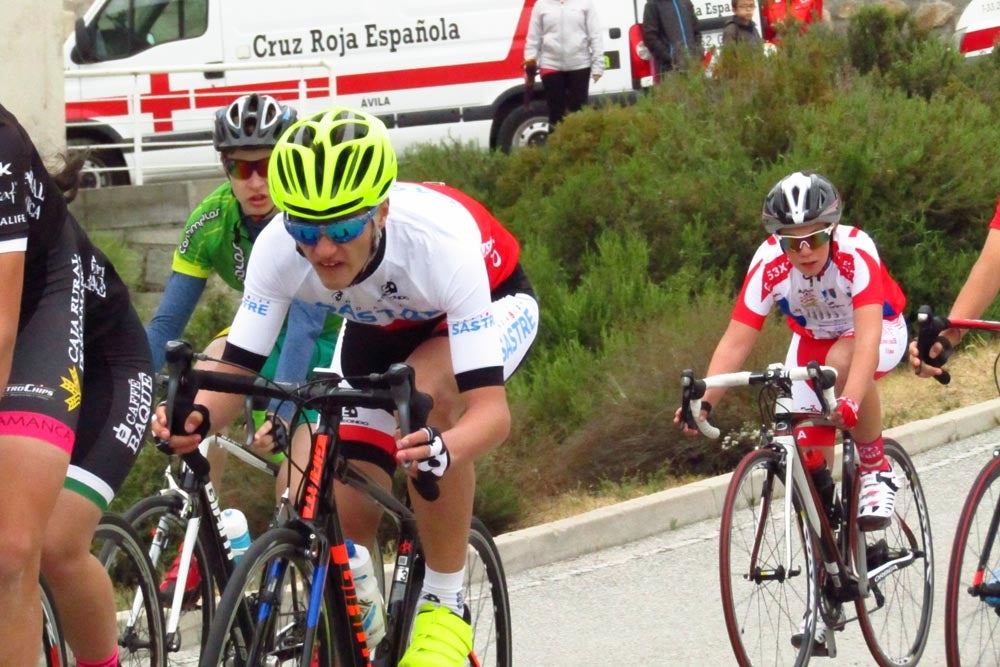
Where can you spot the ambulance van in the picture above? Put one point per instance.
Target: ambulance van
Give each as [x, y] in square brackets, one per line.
[144, 77]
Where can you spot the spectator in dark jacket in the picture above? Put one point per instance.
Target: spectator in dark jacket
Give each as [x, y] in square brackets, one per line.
[740, 26]
[670, 31]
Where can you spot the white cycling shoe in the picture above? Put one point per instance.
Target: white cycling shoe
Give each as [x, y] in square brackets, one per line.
[877, 499]
[819, 637]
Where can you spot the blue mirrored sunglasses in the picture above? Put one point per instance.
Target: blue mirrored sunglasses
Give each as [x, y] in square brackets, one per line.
[307, 232]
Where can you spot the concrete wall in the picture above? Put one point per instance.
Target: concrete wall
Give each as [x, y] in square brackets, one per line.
[31, 78]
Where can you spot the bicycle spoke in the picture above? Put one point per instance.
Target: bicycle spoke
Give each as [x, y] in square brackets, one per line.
[895, 618]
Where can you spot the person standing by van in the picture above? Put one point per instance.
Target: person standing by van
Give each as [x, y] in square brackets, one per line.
[217, 239]
[564, 45]
[670, 31]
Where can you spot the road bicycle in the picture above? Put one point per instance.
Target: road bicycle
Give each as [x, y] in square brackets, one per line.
[789, 560]
[182, 523]
[972, 602]
[291, 599]
[140, 622]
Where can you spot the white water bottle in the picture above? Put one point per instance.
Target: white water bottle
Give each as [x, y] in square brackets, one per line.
[369, 595]
[237, 531]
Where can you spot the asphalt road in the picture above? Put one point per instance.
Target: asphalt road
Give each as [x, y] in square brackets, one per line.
[656, 601]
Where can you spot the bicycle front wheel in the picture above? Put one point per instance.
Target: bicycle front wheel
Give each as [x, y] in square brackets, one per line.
[263, 614]
[895, 618]
[140, 621]
[158, 523]
[765, 597]
[972, 602]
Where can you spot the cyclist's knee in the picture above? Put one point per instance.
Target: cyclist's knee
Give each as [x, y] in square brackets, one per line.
[20, 552]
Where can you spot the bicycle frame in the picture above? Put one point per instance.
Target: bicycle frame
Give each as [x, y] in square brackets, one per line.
[314, 515]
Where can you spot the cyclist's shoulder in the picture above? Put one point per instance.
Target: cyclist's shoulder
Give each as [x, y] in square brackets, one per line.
[219, 210]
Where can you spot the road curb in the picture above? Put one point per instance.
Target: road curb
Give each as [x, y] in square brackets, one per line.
[659, 512]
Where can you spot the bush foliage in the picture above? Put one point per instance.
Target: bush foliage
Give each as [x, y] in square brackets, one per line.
[637, 222]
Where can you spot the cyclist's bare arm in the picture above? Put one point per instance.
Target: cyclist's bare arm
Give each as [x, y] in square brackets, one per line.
[732, 351]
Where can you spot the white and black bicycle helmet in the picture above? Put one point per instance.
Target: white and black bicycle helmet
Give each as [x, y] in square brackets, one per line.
[801, 198]
[251, 121]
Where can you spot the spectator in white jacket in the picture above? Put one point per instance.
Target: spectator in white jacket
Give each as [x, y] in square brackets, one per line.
[564, 45]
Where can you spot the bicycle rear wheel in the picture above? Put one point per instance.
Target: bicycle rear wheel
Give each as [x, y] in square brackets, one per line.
[485, 591]
[764, 601]
[261, 618]
[971, 614]
[140, 622]
[895, 618]
[487, 600]
[158, 522]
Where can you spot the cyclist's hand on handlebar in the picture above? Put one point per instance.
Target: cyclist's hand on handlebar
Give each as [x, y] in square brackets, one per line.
[937, 351]
[706, 409]
[845, 414]
[425, 447]
[272, 436]
[196, 426]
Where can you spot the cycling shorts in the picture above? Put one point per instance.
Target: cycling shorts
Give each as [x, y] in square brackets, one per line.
[368, 435]
[82, 375]
[803, 350]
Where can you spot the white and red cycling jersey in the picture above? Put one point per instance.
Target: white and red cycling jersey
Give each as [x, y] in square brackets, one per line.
[819, 307]
[443, 254]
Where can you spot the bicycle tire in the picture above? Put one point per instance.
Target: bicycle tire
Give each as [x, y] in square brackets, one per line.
[971, 623]
[484, 591]
[895, 618]
[197, 611]
[140, 624]
[277, 550]
[53, 645]
[764, 607]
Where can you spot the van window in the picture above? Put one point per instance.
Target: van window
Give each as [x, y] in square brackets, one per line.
[126, 27]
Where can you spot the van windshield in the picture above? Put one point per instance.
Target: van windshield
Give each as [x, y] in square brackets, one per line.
[126, 27]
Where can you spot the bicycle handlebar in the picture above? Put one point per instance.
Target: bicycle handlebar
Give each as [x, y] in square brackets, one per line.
[692, 390]
[929, 328]
[394, 390]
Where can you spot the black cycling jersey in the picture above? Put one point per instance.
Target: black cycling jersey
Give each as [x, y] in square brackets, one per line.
[81, 377]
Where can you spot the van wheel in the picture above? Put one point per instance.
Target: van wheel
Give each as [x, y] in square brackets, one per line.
[524, 127]
[101, 167]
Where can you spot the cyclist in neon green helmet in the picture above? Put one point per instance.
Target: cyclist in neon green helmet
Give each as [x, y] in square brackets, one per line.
[421, 273]
[217, 239]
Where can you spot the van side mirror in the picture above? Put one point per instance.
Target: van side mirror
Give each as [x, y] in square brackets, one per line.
[83, 50]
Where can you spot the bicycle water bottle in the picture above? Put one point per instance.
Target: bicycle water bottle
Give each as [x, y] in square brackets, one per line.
[812, 440]
[369, 596]
[237, 531]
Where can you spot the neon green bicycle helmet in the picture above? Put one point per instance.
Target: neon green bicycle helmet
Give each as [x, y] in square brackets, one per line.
[332, 164]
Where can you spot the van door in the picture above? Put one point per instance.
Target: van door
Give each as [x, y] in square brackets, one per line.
[166, 110]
